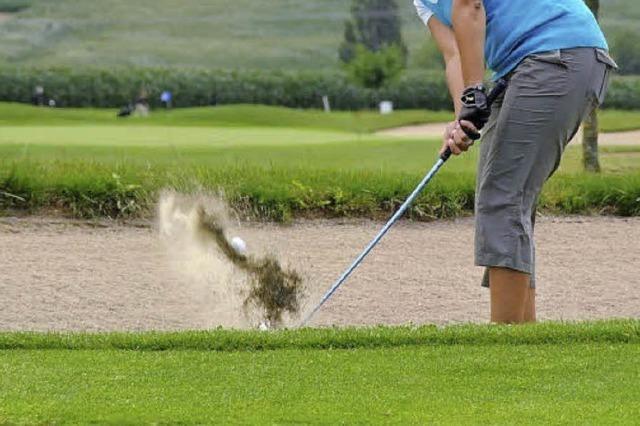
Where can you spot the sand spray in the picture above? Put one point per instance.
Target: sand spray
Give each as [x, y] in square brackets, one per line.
[244, 290]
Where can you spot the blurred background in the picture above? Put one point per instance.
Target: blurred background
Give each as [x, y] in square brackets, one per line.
[107, 48]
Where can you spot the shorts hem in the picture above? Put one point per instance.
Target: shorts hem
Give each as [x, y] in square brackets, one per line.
[501, 262]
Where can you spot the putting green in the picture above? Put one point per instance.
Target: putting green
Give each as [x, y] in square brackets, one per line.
[168, 136]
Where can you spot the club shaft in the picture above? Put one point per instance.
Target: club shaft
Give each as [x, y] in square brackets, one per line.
[401, 211]
[500, 87]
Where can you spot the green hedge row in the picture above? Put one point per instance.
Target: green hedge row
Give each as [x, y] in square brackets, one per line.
[199, 87]
[12, 6]
[624, 93]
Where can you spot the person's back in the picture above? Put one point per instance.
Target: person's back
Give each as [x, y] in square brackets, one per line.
[518, 28]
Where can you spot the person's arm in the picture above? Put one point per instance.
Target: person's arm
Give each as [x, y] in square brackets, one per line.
[446, 41]
[448, 46]
[469, 21]
[470, 26]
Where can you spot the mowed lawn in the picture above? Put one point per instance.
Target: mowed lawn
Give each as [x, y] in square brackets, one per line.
[253, 146]
[12, 114]
[549, 373]
[235, 116]
[274, 162]
[250, 135]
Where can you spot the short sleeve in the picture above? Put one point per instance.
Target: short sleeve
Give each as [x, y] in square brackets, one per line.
[423, 11]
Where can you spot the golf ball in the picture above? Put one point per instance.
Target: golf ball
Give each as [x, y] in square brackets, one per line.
[239, 246]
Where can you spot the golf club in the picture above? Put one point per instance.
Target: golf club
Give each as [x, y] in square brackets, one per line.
[499, 88]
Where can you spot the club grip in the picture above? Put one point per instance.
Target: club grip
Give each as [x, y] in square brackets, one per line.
[495, 93]
[446, 154]
[472, 134]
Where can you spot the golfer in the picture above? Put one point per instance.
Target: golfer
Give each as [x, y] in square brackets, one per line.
[554, 57]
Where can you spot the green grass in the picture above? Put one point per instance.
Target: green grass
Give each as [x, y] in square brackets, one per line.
[225, 116]
[218, 148]
[116, 168]
[12, 114]
[279, 34]
[619, 121]
[548, 373]
[221, 340]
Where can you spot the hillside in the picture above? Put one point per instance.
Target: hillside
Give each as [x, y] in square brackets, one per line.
[291, 34]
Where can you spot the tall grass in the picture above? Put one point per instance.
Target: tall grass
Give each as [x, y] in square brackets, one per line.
[89, 190]
[124, 190]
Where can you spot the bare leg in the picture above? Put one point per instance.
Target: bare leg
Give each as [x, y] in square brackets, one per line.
[512, 299]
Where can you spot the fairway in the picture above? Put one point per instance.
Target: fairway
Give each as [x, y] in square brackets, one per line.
[260, 116]
[235, 116]
[473, 375]
[159, 136]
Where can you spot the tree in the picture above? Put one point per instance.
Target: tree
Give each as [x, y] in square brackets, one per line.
[590, 158]
[374, 24]
[373, 69]
[348, 47]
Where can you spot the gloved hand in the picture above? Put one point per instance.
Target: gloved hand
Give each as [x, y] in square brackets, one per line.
[475, 108]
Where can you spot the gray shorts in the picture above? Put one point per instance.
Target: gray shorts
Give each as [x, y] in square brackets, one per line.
[548, 96]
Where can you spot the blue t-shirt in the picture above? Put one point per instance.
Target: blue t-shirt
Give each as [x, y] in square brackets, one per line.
[518, 28]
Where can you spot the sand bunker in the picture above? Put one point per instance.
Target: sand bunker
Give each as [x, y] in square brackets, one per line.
[68, 275]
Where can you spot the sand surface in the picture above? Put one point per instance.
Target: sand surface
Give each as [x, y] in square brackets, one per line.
[68, 275]
[436, 130]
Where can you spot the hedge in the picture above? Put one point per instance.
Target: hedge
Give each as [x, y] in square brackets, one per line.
[624, 93]
[13, 6]
[199, 87]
